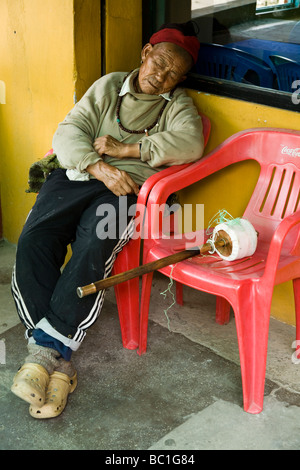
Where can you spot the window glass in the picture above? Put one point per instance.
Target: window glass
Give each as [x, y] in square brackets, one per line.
[255, 42]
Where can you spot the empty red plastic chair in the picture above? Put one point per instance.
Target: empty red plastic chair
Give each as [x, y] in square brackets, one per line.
[127, 294]
[245, 284]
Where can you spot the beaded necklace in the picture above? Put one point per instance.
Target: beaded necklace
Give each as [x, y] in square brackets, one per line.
[141, 131]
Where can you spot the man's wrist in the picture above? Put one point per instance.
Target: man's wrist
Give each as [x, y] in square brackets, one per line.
[132, 150]
[94, 168]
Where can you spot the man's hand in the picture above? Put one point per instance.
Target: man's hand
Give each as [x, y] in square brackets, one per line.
[118, 181]
[108, 145]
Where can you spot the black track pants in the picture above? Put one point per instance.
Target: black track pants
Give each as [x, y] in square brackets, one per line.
[97, 224]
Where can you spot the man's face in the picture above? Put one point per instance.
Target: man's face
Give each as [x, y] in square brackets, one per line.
[163, 67]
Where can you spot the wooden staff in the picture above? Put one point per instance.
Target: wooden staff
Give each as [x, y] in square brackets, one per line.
[149, 267]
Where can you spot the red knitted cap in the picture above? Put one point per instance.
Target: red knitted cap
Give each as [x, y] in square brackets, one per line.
[189, 43]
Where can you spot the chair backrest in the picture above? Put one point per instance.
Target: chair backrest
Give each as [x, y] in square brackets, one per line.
[227, 63]
[277, 192]
[287, 72]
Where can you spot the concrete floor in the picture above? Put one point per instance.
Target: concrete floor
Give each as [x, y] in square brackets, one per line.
[184, 394]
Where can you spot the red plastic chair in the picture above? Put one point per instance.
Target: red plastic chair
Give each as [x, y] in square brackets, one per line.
[247, 284]
[127, 294]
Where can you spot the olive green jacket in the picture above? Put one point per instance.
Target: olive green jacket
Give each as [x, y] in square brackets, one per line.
[177, 138]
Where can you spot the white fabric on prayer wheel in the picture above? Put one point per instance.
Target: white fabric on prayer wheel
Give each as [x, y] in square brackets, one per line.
[243, 237]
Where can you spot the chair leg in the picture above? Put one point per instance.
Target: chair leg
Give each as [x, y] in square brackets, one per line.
[296, 286]
[252, 316]
[127, 295]
[222, 311]
[179, 293]
[144, 312]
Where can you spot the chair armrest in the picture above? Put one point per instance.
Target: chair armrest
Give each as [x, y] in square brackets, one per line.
[152, 180]
[50, 152]
[277, 241]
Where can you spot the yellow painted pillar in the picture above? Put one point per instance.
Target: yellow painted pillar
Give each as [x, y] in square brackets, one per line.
[87, 44]
[123, 36]
[37, 66]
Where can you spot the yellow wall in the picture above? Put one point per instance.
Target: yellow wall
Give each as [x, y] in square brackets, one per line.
[230, 189]
[123, 39]
[50, 55]
[39, 77]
